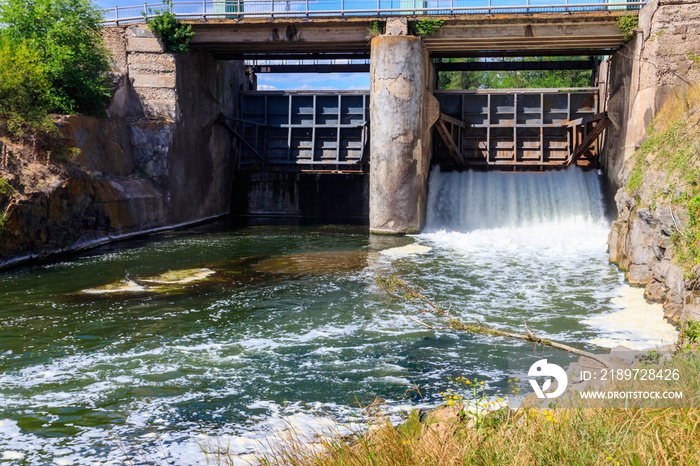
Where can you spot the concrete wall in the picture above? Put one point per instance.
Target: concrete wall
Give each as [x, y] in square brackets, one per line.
[322, 197]
[164, 114]
[639, 78]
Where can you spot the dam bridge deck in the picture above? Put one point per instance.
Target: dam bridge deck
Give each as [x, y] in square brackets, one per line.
[486, 129]
[292, 29]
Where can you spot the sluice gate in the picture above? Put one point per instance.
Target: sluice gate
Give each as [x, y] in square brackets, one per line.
[322, 131]
[304, 131]
[507, 128]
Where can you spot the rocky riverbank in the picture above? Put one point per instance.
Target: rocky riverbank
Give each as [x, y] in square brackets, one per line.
[52, 202]
[655, 237]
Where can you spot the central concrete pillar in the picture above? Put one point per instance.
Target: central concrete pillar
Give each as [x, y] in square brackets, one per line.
[402, 110]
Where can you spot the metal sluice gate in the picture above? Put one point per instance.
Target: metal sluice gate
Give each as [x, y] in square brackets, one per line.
[485, 129]
[299, 130]
[526, 128]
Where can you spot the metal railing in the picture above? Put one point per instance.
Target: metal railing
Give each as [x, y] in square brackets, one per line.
[321, 61]
[239, 9]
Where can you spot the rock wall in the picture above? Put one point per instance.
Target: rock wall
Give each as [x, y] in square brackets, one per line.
[55, 219]
[635, 83]
[640, 243]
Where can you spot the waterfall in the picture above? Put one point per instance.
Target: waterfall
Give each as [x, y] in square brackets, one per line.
[469, 201]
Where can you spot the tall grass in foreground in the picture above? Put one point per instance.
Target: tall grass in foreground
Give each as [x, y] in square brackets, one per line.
[560, 436]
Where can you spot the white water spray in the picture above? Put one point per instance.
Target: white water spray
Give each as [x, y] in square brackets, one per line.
[471, 201]
[536, 241]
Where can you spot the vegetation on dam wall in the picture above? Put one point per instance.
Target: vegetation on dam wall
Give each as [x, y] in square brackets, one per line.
[666, 170]
[655, 238]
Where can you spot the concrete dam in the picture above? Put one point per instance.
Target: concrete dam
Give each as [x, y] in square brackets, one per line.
[211, 144]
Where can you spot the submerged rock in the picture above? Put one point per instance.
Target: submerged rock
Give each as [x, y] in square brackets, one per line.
[173, 281]
[121, 286]
[408, 250]
[180, 277]
[315, 263]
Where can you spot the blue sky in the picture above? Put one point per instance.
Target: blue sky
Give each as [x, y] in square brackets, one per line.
[315, 81]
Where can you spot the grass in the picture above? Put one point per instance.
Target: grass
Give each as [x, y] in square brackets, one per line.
[558, 436]
[375, 29]
[666, 168]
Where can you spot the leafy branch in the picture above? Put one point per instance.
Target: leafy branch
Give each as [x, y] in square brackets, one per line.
[174, 34]
[627, 24]
[427, 27]
[396, 288]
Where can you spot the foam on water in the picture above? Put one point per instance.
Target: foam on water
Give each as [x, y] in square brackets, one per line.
[636, 325]
[246, 362]
[536, 236]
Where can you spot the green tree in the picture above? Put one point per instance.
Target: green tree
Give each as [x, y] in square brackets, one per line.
[23, 84]
[515, 79]
[461, 79]
[67, 36]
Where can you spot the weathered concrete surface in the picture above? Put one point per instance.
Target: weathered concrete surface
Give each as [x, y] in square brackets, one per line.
[104, 144]
[636, 82]
[171, 103]
[132, 205]
[401, 84]
[322, 196]
[535, 33]
[638, 79]
[202, 155]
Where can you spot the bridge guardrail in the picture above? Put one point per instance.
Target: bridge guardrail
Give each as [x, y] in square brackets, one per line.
[239, 9]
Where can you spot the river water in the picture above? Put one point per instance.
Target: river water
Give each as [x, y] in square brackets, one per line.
[275, 326]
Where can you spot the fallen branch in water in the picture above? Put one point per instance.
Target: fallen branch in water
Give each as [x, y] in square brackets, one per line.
[399, 289]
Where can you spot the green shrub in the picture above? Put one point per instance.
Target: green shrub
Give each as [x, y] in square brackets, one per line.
[174, 34]
[427, 27]
[24, 85]
[67, 36]
[637, 176]
[692, 331]
[626, 24]
[375, 29]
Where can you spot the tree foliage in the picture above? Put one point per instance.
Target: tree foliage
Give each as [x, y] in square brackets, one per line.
[23, 84]
[173, 33]
[67, 36]
[513, 79]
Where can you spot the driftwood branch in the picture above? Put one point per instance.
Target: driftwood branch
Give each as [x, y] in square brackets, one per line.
[398, 289]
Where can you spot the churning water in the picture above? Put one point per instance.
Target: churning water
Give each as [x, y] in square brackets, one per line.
[289, 327]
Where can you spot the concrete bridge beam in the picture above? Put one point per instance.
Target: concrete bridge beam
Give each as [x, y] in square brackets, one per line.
[402, 110]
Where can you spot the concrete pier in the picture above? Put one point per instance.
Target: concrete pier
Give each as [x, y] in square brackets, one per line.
[402, 111]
